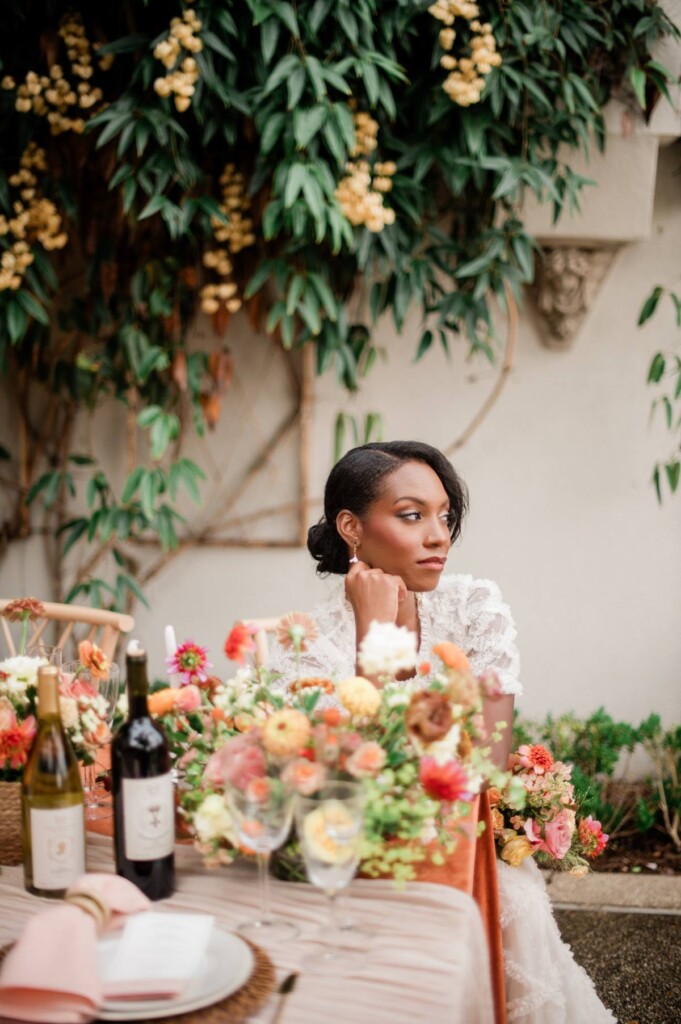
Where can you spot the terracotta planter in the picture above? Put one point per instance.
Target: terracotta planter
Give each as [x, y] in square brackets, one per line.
[11, 843]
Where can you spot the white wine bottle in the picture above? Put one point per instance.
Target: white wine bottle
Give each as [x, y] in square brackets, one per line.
[144, 807]
[52, 800]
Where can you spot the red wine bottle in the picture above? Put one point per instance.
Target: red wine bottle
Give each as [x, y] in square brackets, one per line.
[144, 807]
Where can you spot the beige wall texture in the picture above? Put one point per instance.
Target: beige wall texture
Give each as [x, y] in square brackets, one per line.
[562, 512]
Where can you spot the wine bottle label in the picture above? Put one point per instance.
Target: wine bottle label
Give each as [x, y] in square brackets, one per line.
[148, 817]
[57, 846]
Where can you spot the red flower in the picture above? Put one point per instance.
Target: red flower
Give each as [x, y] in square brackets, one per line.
[15, 737]
[536, 757]
[240, 642]
[445, 782]
[592, 837]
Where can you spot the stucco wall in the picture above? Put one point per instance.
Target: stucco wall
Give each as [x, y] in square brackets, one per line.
[562, 512]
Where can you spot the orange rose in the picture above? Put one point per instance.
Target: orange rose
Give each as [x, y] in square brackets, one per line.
[452, 656]
[94, 660]
[163, 701]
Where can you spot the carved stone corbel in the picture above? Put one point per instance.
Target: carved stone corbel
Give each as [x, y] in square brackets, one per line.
[566, 284]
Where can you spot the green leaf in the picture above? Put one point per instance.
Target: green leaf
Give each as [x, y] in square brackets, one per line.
[33, 307]
[132, 483]
[295, 86]
[17, 321]
[673, 471]
[650, 305]
[149, 415]
[316, 73]
[285, 67]
[127, 581]
[424, 344]
[307, 122]
[657, 368]
[76, 530]
[638, 79]
[297, 175]
[269, 37]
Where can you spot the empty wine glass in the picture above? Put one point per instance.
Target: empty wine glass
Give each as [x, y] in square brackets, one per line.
[52, 654]
[330, 826]
[81, 684]
[262, 814]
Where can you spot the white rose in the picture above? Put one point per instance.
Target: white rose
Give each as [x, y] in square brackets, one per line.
[21, 672]
[445, 749]
[68, 709]
[387, 649]
[213, 821]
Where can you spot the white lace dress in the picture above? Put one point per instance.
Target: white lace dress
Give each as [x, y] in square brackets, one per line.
[544, 984]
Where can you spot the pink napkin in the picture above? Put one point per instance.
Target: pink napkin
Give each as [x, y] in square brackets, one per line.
[51, 974]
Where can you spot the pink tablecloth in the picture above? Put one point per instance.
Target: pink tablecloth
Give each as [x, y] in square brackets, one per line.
[427, 961]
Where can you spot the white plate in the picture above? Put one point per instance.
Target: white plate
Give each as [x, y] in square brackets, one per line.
[228, 964]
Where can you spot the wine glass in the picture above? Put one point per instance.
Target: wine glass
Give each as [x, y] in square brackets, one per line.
[106, 691]
[330, 827]
[53, 655]
[262, 814]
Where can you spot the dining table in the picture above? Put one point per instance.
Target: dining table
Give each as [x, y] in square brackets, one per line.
[422, 949]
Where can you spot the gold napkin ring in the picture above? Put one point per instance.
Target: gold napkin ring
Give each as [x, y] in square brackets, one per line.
[93, 905]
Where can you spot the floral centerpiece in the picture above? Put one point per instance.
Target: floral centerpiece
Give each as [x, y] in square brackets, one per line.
[420, 755]
[18, 687]
[535, 814]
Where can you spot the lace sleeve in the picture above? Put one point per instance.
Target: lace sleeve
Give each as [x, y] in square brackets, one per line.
[330, 656]
[491, 635]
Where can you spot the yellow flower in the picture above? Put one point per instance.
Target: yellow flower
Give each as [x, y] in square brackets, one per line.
[359, 696]
[331, 816]
[285, 732]
[515, 850]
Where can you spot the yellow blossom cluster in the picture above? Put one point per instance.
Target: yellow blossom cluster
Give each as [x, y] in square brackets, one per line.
[466, 78]
[54, 96]
[35, 219]
[174, 52]
[237, 234]
[360, 191]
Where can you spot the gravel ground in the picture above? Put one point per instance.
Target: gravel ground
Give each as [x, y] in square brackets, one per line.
[633, 959]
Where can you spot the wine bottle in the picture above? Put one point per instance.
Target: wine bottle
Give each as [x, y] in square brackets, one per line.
[142, 785]
[53, 814]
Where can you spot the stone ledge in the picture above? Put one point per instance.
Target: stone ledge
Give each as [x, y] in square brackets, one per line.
[615, 890]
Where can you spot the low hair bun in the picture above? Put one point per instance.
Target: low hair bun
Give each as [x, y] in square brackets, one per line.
[327, 548]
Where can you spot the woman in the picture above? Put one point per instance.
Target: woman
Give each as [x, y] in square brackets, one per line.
[391, 513]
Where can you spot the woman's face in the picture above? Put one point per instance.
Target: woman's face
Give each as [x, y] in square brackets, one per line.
[406, 530]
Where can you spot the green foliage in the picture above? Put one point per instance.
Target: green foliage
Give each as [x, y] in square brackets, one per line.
[136, 179]
[664, 376]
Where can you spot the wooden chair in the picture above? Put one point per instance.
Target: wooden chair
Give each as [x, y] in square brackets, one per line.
[264, 626]
[111, 624]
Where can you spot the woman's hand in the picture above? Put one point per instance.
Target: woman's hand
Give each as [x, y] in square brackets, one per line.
[374, 595]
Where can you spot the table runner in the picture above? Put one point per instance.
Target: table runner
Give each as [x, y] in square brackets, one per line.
[427, 962]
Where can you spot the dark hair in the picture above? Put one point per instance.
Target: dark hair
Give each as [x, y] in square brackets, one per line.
[355, 482]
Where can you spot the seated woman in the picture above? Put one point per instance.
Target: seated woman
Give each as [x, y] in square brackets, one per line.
[391, 513]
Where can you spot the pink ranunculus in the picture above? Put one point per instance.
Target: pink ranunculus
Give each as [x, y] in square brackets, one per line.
[367, 760]
[189, 698]
[446, 782]
[71, 686]
[533, 756]
[558, 833]
[592, 836]
[242, 760]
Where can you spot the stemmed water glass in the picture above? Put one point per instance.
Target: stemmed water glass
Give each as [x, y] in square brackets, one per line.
[330, 826]
[107, 691]
[262, 814]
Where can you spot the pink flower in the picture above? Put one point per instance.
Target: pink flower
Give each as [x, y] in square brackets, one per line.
[367, 760]
[490, 684]
[189, 662]
[558, 834]
[237, 762]
[304, 776]
[188, 699]
[592, 837]
[533, 833]
[445, 782]
[71, 686]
